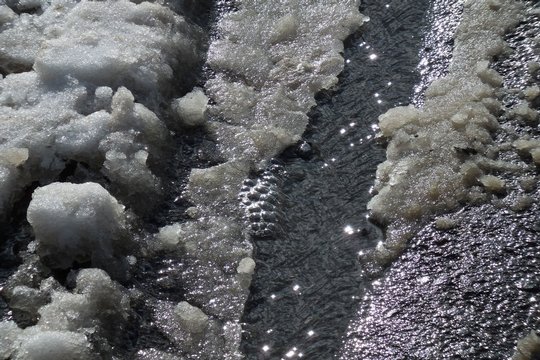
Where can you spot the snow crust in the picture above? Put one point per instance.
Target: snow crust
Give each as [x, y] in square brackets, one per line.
[83, 82]
[270, 59]
[77, 223]
[97, 306]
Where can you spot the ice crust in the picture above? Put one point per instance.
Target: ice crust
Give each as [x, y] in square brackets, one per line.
[78, 102]
[78, 223]
[442, 154]
[270, 58]
[97, 306]
[90, 82]
[83, 82]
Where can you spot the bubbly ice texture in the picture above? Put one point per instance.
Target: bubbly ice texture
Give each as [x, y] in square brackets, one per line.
[266, 78]
[83, 82]
[268, 59]
[443, 154]
[98, 306]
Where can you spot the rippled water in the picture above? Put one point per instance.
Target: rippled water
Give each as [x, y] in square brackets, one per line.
[308, 281]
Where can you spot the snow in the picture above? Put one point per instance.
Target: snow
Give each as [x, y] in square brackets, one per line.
[96, 303]
[53, 345]
[191, 108]
[81, 89]
[191, 317]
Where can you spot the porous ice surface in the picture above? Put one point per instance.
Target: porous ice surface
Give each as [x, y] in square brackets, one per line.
[78, 223]
[97, 307]
[73, 70]
[443, 154]
[82, 82]
[269, 60]
[91, 82]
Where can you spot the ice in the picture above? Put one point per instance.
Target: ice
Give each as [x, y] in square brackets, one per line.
[214, 239]
[528, 347]
[430, 166]
[493, 183]
[266, 78]
[191, 317]
[268, 62]
[27, 299]
[97, 303]
[90, 85]
[157, 39]
[246, 266]
[97, 306]
[77, 223]
[9, 332]
[220, 183]
[71, 81]
[53, 345]
[245, 270]
[191, 108]
[36, 343]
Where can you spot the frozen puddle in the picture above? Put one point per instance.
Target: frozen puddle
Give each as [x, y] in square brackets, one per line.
[89, 107]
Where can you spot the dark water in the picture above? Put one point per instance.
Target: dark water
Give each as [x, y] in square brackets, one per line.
[308, 281]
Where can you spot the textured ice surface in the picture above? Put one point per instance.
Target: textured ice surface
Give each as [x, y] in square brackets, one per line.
[268, 59]
[77, 223]
[83, 83]
[191, 317]
[443, 154]
[89, 58]
[97, 306]
[191, 108]
[36, 344]
[91, 83]
[266, 78]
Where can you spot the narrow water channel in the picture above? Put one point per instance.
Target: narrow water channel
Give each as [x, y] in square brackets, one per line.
[308, 280]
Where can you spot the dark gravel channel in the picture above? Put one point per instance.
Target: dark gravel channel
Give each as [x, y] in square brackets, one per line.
[309, 282]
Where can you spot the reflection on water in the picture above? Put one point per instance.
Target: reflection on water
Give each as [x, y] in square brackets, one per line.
[308, 281]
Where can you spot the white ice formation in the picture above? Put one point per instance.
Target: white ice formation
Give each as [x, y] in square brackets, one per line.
[90, 82]
[443, 154]
[98, 307]
[74, 71]
[78, 223]
[270, 58]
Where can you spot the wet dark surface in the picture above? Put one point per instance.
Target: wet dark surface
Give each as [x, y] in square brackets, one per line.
[469, 293]
[308, 280]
